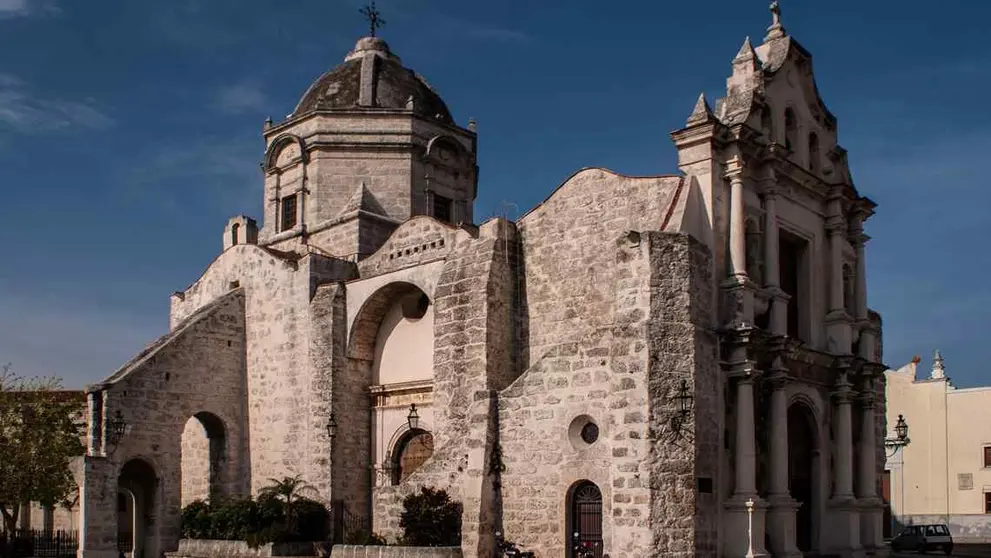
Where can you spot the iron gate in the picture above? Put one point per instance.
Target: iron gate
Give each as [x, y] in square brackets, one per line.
[586, 521]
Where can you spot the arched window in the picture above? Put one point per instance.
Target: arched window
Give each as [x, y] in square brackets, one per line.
[413, 451]
[791, 130]
[234, 230]
[813, 152]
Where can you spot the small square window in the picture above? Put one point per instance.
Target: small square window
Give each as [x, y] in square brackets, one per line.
[442, 208]
[987, 502]
[288, 212]
[987, 457]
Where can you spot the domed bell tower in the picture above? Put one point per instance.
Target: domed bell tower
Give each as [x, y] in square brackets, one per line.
[369, 145]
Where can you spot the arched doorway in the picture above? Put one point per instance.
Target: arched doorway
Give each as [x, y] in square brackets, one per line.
[136, 488]
[584, 519]
[412, 451]
[203, 453]
[802, 447]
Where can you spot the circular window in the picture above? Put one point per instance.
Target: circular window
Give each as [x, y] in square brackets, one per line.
[590, 433]
[583, 432]
[415, 306]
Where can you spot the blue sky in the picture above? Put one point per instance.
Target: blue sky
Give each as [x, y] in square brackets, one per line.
[130, 132]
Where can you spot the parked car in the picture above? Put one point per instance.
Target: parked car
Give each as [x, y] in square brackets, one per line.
[923, 538]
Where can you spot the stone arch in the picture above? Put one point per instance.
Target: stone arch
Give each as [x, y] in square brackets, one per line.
[364, 329]
[412, 449]
[791, 130]
[276, 147]
[203, 455]
[444, 140]
[804, 468]
[138, 482]
[584, 504]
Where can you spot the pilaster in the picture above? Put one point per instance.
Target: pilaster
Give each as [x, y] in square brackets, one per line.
[779, 299]
[870, 503]
[843, 506]
[97, 509]
[738, 287]
[781, 517]
[838, 323]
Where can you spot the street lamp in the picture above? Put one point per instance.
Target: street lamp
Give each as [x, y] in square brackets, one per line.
[413, 418]
[116, 428]
[332, 427]
[683, 404]
[901, 437]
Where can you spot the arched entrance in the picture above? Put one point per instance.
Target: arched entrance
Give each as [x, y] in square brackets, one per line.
[203, 454]
[136, 488]
[412, 451]
[802, 447]
[584, 519]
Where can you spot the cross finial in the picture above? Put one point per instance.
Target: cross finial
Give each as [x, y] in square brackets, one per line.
[775, 13]
[373, 16]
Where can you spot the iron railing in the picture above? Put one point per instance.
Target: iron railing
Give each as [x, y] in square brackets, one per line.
[39, 543]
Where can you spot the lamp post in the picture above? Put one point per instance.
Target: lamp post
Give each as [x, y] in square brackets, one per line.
[413, 418]
[901, 438]
[116, 429]
[750, 527]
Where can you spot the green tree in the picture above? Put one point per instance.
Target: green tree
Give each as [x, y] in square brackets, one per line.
[39, 437]
[290, 492]
[431, 518]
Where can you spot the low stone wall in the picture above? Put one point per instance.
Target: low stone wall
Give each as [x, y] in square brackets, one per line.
[355, 551]
[205, 548]
[974, 528]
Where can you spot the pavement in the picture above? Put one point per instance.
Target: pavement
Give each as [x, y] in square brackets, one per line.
[959, 551]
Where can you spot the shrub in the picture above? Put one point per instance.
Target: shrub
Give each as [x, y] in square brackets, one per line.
[197, 520]
[312, 520]
[431, 518]
[364, 538]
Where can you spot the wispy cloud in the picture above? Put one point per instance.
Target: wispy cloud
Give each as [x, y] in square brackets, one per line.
[23, 111]
[218, 173]
[240, 98]
[92, 342]
[26, 8]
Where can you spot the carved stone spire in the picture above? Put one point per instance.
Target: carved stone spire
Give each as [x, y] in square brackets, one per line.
[701, 113]
[776, 30]
[938, 371]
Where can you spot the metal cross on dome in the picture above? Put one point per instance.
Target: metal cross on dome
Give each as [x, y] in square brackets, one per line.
[373, 16]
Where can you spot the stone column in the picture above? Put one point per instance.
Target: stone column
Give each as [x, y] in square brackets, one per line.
[94, 427]
[781, 516]
[845, 530]
[838, 333]
[746, 472]
[737, 227]
[867, 335]
[772, 273]
[746, 442]
[871, 505]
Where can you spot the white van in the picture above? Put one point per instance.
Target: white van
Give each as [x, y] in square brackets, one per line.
[923, 538]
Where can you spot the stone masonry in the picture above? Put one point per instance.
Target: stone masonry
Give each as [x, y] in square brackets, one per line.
[633, 362]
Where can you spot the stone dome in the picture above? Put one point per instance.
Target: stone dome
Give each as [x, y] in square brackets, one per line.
[372, 77]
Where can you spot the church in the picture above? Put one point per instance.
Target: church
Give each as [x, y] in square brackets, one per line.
[674, 365]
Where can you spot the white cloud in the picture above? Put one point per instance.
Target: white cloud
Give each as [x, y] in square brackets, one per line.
[45, 336]
[240, 98]
[26, 8]
[23, 111]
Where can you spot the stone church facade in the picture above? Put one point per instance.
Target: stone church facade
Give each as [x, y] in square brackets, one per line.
[633, 361]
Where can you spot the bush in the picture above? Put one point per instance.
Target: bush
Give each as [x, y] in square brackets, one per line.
[431, 518]
[364, 538]
[256, 522]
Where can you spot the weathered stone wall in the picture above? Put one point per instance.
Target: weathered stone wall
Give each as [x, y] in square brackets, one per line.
[283, 375]
[568, 274]
[199, 367]
[354, 551]
[207, 548]
[470, 295]
[682, 348]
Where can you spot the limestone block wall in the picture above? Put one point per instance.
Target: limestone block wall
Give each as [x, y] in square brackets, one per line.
[470, 296]
[285, 381]
[198, 368]
[684, 520]
[568, 286]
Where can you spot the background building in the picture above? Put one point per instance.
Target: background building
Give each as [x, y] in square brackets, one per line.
[944, 474]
